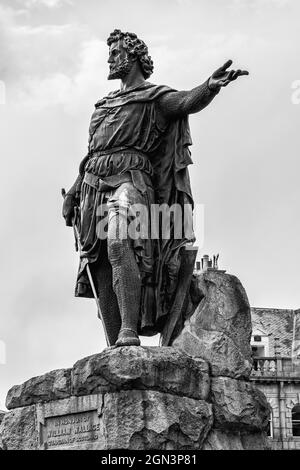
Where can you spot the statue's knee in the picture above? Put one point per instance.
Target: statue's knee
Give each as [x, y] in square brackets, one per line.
[116, 250]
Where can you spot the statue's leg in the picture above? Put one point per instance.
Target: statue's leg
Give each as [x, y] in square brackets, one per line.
[102, 276]
[125, 271]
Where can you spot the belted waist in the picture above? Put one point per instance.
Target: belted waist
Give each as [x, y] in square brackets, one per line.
[99, 153]
[117, 161]
[106, 183]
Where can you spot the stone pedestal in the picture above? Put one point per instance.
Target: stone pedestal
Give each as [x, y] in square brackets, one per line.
[133, 398]
[195, 394]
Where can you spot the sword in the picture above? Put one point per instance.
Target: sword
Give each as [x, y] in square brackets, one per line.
[78, 247]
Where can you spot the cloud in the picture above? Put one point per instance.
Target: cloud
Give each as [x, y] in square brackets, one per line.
[211, 50]
[184, 3]
[72, 91]
[49, 65]
[38, 50]
[260, 4]
[46, 3]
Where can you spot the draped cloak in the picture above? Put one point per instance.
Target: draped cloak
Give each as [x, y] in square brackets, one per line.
[124, 125]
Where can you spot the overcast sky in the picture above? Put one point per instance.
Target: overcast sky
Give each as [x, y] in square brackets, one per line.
[246, 158]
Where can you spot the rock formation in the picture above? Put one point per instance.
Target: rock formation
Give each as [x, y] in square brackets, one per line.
[219, 329]
[2, 413]
[195, 394]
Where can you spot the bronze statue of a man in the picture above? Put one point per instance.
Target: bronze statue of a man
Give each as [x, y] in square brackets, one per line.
[138, 154]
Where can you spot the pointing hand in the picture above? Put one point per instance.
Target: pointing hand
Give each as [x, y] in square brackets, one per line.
[222, 76]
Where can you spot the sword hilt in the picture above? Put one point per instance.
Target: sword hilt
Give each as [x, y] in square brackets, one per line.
[63, 193]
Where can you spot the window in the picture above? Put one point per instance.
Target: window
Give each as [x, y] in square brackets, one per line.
[260, 341]
[258, 351]
[296, 420]
[270, 425]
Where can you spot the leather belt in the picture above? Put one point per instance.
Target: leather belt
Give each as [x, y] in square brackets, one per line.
[108, 182]
[99, 153]
[121, 150]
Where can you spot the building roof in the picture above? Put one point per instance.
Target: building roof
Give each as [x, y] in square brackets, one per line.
[278, 323]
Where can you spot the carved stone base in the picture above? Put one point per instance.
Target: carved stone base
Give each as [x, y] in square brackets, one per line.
[134, 398]
[195, 394]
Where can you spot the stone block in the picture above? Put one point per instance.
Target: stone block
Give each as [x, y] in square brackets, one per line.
[255, 441]
[163, 369]
[238, 405]
[18, 430]
[51, 386]
[74, 423]
[140, 419]
[2, 414]
[219, 330]
[219, 439]
[224, 357]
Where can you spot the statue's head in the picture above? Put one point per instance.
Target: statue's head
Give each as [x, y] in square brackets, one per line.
[124, 50]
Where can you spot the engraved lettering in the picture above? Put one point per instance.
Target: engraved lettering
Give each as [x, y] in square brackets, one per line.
[71, 429]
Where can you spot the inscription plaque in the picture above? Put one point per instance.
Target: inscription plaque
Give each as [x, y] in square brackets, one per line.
[76, 429]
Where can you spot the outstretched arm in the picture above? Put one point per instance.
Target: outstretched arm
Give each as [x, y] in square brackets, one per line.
[180, 103]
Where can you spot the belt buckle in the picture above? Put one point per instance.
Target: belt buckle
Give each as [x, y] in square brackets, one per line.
[100, 183]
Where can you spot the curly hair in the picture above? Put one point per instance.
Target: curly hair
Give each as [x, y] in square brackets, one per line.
[135, 47]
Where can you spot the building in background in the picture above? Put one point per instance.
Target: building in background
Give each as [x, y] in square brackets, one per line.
[276, 371]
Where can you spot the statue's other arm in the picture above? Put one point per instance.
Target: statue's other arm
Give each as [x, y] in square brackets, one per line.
[72, 197]
[180, 103]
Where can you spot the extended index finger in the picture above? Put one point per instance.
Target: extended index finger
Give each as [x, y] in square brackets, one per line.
[226, 65]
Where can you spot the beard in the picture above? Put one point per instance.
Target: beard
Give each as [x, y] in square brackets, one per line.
[121, 70]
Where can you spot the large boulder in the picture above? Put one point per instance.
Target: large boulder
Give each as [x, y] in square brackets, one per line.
[2, 414]
[163, 369]
[140, 419]
[51, 386]
[219, 330]
[142, 368]
[218, 439]
[18, 430]
[255, 441]
[238, 405]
